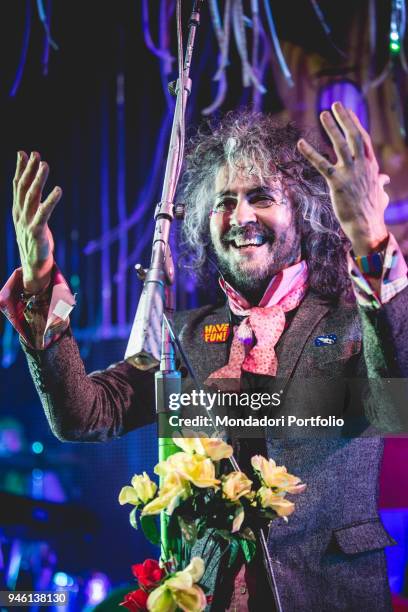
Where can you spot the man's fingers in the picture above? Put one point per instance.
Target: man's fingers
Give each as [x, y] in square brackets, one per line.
[318, 161]
[368, 145]
[45, 209]
[337, 139]
[22, 159]
[27, 178]
[352, 134]
[33, 195]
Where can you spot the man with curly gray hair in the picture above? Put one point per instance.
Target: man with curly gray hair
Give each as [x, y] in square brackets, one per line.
[316, 289]
[255, 148]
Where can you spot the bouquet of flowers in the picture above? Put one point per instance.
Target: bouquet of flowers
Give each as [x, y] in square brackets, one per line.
[199, 500]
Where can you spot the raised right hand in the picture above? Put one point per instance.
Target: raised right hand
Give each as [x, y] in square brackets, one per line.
[30, 216]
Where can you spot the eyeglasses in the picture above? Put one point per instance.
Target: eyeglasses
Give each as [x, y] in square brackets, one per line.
[258, 201]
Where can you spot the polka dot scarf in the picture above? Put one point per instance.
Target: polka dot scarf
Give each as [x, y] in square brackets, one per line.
[254, 341]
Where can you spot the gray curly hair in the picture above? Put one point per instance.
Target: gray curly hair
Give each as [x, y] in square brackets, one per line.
[252, 142]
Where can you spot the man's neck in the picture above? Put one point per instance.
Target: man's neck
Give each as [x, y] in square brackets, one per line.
[254, 296]
[268, 293]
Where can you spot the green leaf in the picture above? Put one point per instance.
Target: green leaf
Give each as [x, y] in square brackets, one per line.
[133, 518]
[150, 529]
[248, 548]
[188, 530]
[234, 550]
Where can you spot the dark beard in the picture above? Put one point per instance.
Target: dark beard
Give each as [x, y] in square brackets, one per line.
[285, 249]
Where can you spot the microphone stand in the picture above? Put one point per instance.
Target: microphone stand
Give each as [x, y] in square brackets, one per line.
[150, 342]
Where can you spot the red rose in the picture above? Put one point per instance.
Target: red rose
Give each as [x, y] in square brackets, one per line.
[148, 573]
[135, 601]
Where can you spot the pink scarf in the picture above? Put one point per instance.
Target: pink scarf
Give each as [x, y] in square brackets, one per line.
[253, 345]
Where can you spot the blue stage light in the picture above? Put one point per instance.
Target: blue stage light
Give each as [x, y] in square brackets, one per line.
[37, 448]
[61, 579]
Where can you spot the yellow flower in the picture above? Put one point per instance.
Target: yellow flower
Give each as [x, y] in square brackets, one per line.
[128, 495]
[196, 469]
[198, 442]
[216, 449]
[235, 485]
[269, 499]
[144, 487]
[178, 472]
[173, 491]
[190, 442]
[195, 568]
[275, 476]
[180, 591]
[142, 490]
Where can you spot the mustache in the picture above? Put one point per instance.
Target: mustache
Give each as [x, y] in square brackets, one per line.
[248, 232]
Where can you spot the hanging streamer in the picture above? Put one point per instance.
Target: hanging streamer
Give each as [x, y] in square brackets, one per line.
[226, 39]
[321, 17]
[148, 192]
[240, 39]
[166, 65]
[238, 20]
[255, 35]
[222, 35]
[162, 54]
[43, 18]
[219, 98]
[265, 60]
[325, 26]
[372, 20]
[375, 81]
[275, 40]
[46, 51]
[182, 85]
[145, 197]
[378, 80]
[396, 42]
[23, 56]
[216, 20]
[403, 57]
[372, 38]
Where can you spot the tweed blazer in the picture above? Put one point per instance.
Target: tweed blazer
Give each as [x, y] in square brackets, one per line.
[330, 555]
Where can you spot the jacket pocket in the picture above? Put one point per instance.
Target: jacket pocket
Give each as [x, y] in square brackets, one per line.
[362, 537]
[340, 351]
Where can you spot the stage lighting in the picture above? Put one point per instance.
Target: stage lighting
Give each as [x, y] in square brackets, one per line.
[349, 94]
[37, 448]
[61, 579]
[97, 588]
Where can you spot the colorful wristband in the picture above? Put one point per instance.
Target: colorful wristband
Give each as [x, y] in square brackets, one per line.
[371, 265]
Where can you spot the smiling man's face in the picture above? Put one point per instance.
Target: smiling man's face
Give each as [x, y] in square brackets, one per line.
[253, 231]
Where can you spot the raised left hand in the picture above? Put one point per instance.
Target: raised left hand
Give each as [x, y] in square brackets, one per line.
[356, 186]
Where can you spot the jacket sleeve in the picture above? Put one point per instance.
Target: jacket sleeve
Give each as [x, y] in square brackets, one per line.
[384, 364]
[94, 407]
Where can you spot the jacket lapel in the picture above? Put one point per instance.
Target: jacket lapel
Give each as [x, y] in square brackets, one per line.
[209, 356]
[290, 347]
[206, 353]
